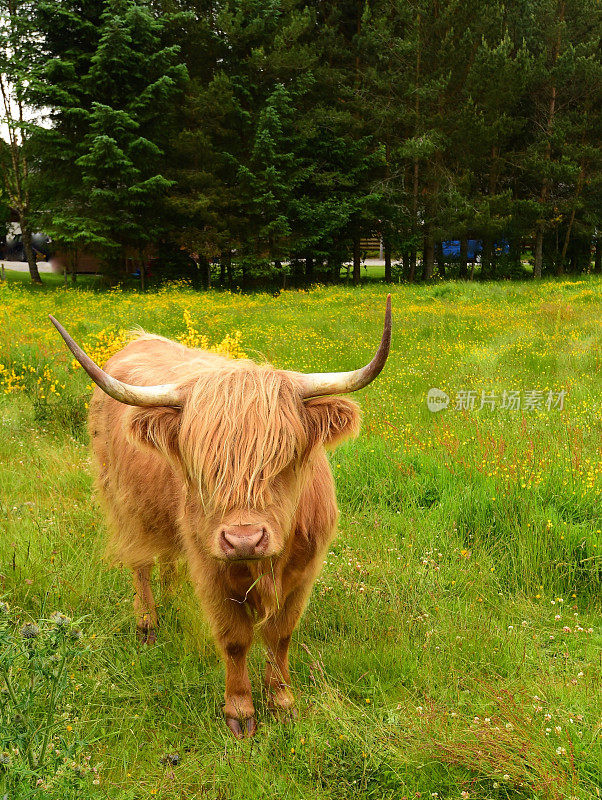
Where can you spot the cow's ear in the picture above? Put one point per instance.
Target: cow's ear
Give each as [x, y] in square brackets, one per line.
[157, 428]
[331, 420]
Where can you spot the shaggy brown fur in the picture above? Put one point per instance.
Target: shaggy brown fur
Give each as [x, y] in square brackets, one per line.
[244, 449]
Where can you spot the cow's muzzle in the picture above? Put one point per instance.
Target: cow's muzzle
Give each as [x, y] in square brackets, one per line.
[244, 542]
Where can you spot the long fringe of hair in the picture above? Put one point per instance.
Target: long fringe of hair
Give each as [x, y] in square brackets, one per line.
[239, 431]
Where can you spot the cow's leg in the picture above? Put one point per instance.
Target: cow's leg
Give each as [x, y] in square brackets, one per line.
[144, 605]
[277, 632]
[234, 637]
[168, 574]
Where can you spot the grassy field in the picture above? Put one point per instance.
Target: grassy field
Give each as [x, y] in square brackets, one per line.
[452, 646]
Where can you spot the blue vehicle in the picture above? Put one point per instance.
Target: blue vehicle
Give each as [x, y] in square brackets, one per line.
[451, 248]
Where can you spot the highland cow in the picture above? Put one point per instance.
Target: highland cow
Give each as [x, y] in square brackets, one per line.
[223, 463]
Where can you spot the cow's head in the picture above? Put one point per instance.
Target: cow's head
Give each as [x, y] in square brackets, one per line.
[243, 435]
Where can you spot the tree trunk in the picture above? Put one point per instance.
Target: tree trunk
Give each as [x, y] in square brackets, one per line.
[412, 274]
[229, 268]
[205, 269]
[515, 251]
[141, 268]
[428, 257]
[222, 270]
[387, 253]
[357, 261]
[29, 253]
[464, 257]
[440, 259]
[487, 265]
[545, 188]
[560, 264]
[416, 170]
[538, 252]
[309, 268]
[561, 259]
[405, 258]
[598, 255]
[72, 267]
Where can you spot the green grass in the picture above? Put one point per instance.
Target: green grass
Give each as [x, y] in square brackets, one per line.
[463, 536]
[50, 280]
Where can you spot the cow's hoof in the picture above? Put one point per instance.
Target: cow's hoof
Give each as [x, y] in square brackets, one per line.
[284, 714]
[242, 728]
[281, 702]
[146, 635]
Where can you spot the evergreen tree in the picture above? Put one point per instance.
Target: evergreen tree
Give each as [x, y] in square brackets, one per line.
[17, 158]
[70, 32]
[563, 150]
[304, 126]
[114, 126]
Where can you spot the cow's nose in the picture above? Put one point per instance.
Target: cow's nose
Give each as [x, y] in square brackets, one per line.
[244, 541]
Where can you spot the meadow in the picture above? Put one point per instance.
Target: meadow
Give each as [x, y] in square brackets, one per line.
[452, 646]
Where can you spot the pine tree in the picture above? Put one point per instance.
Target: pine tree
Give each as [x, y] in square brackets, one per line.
[307, 125]
[357, 158]
[561, 158]
[491, 127]
[113, 124]
[69, 32]
[17, 158]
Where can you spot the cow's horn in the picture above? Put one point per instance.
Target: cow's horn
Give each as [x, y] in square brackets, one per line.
[321, 383]
[163, 395]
